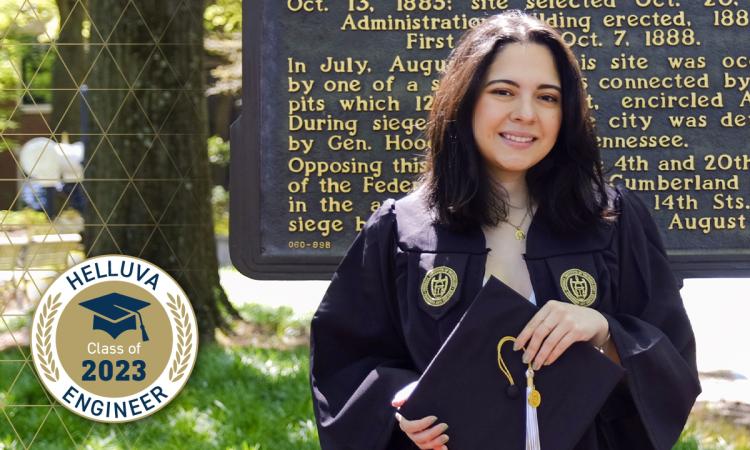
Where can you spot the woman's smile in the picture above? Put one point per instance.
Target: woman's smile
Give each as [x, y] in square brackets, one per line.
[518, 140]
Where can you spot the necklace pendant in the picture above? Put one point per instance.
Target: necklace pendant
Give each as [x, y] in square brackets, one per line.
[520, 235]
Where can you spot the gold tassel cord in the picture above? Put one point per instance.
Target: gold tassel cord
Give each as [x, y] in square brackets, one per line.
[533, 397]
[500, 362]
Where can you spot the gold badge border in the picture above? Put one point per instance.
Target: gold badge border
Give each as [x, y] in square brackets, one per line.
[588, 301]
[182, 360]
[425, 288]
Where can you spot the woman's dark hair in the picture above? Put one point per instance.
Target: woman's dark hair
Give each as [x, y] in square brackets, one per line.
[567, 185]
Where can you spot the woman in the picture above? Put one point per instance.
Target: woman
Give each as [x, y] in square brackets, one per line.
[514, 190]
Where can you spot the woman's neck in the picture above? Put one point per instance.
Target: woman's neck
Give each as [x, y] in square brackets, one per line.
[517, 190]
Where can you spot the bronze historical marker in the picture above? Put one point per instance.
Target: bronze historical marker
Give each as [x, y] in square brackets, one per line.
[337, 92]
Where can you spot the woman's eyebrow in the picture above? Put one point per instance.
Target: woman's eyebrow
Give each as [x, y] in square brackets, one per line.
[541, 86]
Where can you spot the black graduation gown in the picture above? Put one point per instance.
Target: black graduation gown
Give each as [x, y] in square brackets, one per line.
[373, 333]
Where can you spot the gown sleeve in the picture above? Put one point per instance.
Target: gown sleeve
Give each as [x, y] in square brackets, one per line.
[653, 337]
[358, 356]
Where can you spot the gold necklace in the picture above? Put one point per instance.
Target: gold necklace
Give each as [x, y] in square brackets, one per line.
[520, 235]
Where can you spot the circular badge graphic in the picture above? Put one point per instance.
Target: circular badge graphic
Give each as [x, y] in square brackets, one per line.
[439, 285]
[114, 339]
[579, 287]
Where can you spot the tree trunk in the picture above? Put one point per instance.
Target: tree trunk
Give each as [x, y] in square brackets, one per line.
[68, 70]
[148, 177]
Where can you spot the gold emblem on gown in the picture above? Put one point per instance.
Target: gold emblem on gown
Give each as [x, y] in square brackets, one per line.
[579, 287]
[439, 285]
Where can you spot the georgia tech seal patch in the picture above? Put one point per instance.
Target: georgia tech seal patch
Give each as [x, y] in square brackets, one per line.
[579, 287]
[439, 285]
[114, 339]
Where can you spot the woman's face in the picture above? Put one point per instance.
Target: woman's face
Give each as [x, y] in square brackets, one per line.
[518, 112]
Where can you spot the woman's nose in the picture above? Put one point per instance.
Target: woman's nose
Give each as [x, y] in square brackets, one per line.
[523, 111]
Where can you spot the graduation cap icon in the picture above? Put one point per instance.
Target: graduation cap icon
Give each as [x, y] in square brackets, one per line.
[116, 313]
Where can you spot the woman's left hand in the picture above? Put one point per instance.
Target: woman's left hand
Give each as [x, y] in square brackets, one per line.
[555, 327]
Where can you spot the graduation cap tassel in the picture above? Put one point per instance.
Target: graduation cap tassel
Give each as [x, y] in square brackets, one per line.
[144, 336]
[532, 402]
[533, 398]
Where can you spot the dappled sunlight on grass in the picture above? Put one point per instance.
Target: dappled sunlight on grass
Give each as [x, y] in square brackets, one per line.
[103, 442]
[194, 420]
[302, 431]
[239, 397]
[271, 368]
[709, 429]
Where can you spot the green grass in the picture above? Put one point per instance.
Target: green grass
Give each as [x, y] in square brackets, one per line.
[705, 432]
[276, 322]
[240, 398]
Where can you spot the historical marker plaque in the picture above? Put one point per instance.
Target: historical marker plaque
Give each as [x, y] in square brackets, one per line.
[337, 93]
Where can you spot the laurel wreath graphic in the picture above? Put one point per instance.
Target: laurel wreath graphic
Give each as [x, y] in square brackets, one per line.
[43, 338]
[184, 338]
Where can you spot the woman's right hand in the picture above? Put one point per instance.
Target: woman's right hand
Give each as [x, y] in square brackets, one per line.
[422, 431]
[424, 435]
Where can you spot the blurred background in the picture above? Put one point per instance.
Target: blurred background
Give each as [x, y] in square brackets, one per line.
[114, 122]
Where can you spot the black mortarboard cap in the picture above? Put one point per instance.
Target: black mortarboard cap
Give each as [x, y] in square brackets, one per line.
[116, 313]
[464, 387]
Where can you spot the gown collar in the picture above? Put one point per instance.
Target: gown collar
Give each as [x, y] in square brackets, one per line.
[418, 232]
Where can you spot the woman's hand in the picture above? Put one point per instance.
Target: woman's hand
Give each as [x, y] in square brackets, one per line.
[420, 431]
[555, 327]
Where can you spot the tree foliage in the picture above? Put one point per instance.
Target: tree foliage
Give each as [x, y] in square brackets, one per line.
[19, 17]
[223, 17]
[22, 24]
[223, 24]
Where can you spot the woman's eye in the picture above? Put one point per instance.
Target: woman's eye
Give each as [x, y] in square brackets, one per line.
[501, 92]
[549, 98]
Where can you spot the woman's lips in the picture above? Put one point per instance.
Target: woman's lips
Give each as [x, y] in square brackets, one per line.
[516, 143]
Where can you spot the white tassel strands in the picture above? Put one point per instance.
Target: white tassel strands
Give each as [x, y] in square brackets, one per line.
[533, 399]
